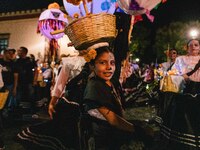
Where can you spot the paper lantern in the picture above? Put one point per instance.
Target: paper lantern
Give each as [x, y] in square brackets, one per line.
[137, 7]
[107, 6]
[72, 10]
[94, 7]
[51, 20]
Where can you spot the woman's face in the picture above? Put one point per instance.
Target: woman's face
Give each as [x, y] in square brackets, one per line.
[173, 54]
[193, 48]
[105, 66]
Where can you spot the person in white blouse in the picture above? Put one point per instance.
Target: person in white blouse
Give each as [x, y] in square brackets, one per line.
[185, 65]
[180, 111]
[72, 66]
[60, 132]
[165, 66]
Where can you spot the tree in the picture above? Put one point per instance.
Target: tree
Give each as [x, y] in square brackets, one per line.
[141, 41]
[175, 35]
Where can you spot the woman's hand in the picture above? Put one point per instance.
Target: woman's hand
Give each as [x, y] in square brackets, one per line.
[186, 77]
[115, 120]
[51, 108]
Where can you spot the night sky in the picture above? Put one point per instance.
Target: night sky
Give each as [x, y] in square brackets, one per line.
[177, 10]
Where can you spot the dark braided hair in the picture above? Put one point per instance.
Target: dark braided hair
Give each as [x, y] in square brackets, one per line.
[100, 51]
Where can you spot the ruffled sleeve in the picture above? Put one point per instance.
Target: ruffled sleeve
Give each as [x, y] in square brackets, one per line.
[185, 64]
[72, 66]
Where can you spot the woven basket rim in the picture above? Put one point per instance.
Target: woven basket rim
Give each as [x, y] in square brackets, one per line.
[79, 31]
[90, 15]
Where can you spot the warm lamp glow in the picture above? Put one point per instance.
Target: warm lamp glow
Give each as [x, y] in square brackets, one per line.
[193, 33]
[137, 59]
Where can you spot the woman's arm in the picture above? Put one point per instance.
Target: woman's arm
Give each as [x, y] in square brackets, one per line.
[51, 107]
[61, 81]
[58, 89]
[116, 120]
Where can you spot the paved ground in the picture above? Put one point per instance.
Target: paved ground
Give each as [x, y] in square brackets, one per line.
[14, 124]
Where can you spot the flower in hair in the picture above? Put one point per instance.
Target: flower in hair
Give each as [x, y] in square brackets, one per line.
[91, 54]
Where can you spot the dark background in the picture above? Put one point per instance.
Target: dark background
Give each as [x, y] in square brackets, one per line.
[172, 10]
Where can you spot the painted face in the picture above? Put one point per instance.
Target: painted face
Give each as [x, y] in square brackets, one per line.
[193, 48]
[105, 66]
[173, 54]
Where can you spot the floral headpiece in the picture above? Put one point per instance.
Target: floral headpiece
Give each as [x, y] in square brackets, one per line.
[91, 54]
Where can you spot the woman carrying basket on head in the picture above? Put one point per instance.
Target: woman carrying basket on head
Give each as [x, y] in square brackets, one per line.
[105, 105]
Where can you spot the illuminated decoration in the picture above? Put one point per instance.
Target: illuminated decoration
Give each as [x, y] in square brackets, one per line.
[107, 6]
[94, 7]
[72, 10]
[50, 20]
[139, 7]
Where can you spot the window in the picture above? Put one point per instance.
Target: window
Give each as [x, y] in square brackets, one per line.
[4, 40]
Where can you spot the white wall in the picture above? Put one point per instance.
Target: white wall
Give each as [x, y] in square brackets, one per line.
[23, 33]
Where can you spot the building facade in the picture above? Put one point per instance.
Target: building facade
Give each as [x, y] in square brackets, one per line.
[20, 29]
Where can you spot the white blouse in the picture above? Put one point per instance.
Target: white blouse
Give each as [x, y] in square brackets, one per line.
[72, 66]
[185, 64]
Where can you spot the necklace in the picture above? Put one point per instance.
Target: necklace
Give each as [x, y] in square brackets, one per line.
[117, 96]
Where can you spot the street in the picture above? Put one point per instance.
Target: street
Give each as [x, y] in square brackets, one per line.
[13, 125]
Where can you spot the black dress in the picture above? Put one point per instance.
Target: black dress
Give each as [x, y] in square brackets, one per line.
[61, 133]
[180, 113]
[99, 94]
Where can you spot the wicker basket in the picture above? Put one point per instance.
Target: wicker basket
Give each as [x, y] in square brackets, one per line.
[94, 28]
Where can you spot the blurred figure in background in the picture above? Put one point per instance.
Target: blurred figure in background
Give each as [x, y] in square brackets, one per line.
[12, 52]
[171, 54]
[27, 79]
[10, 77]
[44, 81]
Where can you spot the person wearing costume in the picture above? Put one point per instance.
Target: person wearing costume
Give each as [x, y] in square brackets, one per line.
[188, 66]
[104, 103]
[61, 131]
[180, 114]
[165, 66]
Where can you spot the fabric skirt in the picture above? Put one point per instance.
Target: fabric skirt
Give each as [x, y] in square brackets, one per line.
[180, 115]
[61, 133]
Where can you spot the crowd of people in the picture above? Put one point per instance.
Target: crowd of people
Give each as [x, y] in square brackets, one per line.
[20, 77]
[85, 86]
